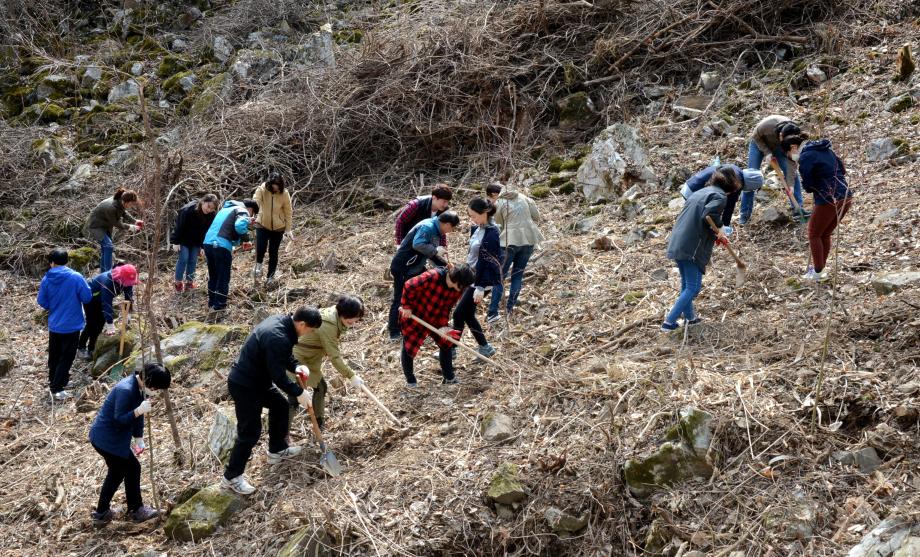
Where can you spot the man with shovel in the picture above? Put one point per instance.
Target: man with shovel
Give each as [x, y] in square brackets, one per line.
[254, 382]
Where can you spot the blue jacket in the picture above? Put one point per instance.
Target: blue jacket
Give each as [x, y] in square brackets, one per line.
[115, 423]
[489, 263]
[230, 227]
[106, 288]
[699, 180]
[62, 292]
[823, 173]
[692, 238]
[419, 245]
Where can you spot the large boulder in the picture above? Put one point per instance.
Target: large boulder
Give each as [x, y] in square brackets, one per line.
[194, 345]
[222, 436]
[890, 282]
[886, 148]
[309, 541]
[200, 516]
[223, 49]
[564, 523]
[256, 66]
[616, 162]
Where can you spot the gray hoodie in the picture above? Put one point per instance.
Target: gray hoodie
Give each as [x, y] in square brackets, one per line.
[692, 238]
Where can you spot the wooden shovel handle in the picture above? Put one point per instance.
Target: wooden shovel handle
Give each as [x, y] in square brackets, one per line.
[122, 326]
[316, 432]
[779, 171]
[455, 342]
[380, 404]
[731, 252]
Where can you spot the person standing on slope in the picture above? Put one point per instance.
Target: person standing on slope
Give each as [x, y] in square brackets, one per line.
[109, 214]
[273, 223]
[229, 229]
[516, 215]
[187, 238]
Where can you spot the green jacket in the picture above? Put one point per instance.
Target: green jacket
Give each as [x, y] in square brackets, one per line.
[320, 342]
[109, 214]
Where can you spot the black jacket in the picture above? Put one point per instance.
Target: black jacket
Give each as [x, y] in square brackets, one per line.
[191, 226]
[491, 256]
[266, 355]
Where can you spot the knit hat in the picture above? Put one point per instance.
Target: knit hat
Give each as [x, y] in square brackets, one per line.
[125, 275]
[753, 179]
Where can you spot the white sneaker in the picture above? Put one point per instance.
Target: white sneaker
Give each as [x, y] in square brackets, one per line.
[811, 274]
[62, 395]
[238, 484]
[822, 276]
[290, 452]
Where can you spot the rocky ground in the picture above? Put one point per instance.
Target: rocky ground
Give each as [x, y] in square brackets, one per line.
[785, 424]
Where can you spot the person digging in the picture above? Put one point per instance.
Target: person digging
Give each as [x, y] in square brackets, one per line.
[254, 382]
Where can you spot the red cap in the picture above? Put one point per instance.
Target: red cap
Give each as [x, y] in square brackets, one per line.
[125, 275]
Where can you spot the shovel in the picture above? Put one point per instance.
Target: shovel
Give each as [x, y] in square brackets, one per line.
[456, 342]
[380, 404]
[328, 461]
[741, 268]
[795, 204]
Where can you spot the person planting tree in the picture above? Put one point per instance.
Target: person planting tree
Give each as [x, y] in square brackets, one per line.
[229, 229]
[423, 208]
[747, 180]
[100, 314]
[765, 142]
[109, 214]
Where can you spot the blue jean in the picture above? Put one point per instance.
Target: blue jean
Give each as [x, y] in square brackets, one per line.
[220, 262]
[755, 159]
[106, 252]
[691, 282]
[518, 257]
[188, 260]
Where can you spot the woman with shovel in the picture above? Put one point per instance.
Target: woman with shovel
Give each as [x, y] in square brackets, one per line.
[323, 341]
[692, 240]
[100, 315]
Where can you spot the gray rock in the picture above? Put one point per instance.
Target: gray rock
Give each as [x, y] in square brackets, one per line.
[188, 82]
[884, 539]
[656, 92]
[496, 428]
[7, 363]
[179, 45]
[137, 68]
[900, 103]
[169, 138]
[710, 81]
[123, 90]
[617, 160]
[91, 76]
[890, 282]
[884, 148]
[223, 49]
[48, 151]
[632, 193]
[772, 215]
[796, 522]
[121, 158]
[62, 85]
[634, 236]
[315, 50]
[588, 224]
[909, 548]
[309, 541]
[691, 106]
[564, 523]
[222, 436]
[256, 66]
[676, 177]
[866, 459]
[80, 177]
[884, 216]
[816, 75]
[660, 274]
[717, 128]
[200, 516]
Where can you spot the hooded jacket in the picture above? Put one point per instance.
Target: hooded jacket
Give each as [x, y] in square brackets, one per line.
[275, 212]
[230, 226]
[692, 238]
[191, 226]
[320, 342]
[823, 173]
[517, 214]
[416, 211]
[419, 245]
[108, 215]
[266, 356]
[699, 180]
[107, 288]
[62, 292]
[115, 423]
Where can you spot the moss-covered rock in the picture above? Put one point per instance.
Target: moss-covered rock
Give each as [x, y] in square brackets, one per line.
[567, 188]
[218, 88]
[200, 516]
[81, 259]
[348, 36]
[575, 110]
[505, 487]
[539, 191]
[172, 64]
[44, 113]
[309, 541]
[900, 103]
[15, 99]
[106, 358]
[560, 178]
[180, 84]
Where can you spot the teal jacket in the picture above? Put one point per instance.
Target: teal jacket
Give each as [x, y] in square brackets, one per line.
[230, 227]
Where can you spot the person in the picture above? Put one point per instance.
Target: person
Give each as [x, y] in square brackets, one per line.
[99, 312]
[824, 176]
[517, 216]
[273, 222]
[765, 142]
[62, 293]
[749, 179]
[430, 297]
[493, 192]
[324, 341]
[423, 242]
[485, 257]
[229, 229]
[254, 380]
[691, 242]
[109, 214]
[192, 223]
[117, 434]
[423, 208]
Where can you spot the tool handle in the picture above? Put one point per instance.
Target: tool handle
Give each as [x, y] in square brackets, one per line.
[731, 252]
[380, 404]
[779, 171]
[122, 326]
[455, 342]
[316, 432]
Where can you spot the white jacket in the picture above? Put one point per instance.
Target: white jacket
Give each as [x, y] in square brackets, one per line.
[517, 214]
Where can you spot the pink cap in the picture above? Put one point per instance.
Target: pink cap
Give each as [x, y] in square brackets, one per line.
[125, 275]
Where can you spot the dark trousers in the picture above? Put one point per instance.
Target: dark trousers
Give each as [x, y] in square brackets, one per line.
[270, 240]
[393, 322]
[62, 348]
[465, 314]
[220, 263]
[249, 404]
[121, 469]
[445, 357]
[95, 321]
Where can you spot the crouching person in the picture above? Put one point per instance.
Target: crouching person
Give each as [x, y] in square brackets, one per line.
[324, 341]
[430, 297]
[254, 382]
[117, 434]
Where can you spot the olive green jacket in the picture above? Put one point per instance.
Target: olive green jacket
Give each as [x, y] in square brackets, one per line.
[320, 342]
[106, 216]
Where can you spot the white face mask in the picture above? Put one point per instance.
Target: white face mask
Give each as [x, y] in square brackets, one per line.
[148, 392]
[794, 157]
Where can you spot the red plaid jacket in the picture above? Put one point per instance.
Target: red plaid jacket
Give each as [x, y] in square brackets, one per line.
[413, 213]
[430, 299]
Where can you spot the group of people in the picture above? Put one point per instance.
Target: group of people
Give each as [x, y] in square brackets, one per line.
[713, 192]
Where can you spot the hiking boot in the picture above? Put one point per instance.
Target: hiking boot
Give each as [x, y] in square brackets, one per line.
[101, 519]
[395, 338]
[453, 381]
[668, 327]
[62, 395]
[144, 513]
[412, 385]
[257, 271]
[179, 286]
[486, 350]
[743, 219]
[190, 285]
[238, 485]
[290, 452]
[84, 354]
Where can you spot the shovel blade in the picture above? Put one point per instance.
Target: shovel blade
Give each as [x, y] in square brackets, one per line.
[740, 276]
[330, 464]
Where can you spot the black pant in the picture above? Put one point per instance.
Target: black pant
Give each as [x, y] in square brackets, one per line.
[121, 469]
[249, 404]
[393, 322]
[95, 321]
[445, 357]
[465, 314]
[62, 348]
[270, 239]
[220, 263]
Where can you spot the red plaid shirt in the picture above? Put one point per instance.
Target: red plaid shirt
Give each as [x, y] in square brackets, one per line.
[409, 217]
[430, 299]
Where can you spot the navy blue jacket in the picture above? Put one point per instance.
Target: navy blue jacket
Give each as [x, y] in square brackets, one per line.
[106, 288]
[266, 355]
[115, 423]
[699, 180]
[191, 226]
[62, 293]
[823, 173]
[489, 264]
[692, 238]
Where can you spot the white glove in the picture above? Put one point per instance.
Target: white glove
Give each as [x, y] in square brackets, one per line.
[143, 408]
[306, 398]
[289, 235]
[138, 446]
[132, 228]
[441, 252]
[176, 248]
[302, 370]
[109, 329]
[444, 331]
[478, 294]
[356, 381]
